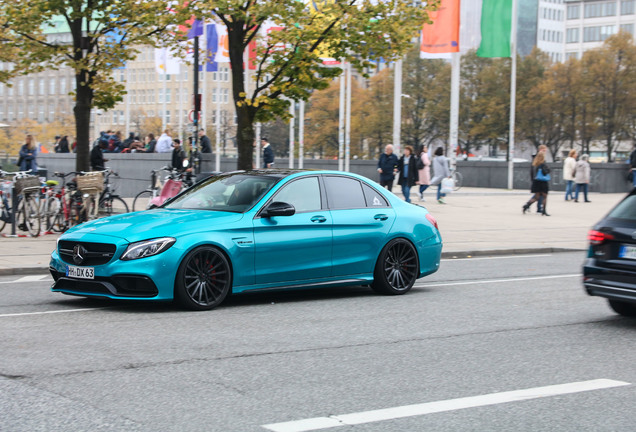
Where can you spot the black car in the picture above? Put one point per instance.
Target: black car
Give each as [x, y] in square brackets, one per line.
[610, 268]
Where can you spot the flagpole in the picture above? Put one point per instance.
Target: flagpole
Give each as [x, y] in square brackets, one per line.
[127, 100]
[397, 105]
[348, 121]
[165, 86]
[341, 113]
[217, 123]
[301, 134]
[292, 109]
[454, 107]
[180, 103]
[513, 94]
[204, 70]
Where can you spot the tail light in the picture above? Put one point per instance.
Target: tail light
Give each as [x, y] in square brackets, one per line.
[432, 220]
[598, 237]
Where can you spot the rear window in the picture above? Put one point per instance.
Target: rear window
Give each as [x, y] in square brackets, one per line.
[626, 209]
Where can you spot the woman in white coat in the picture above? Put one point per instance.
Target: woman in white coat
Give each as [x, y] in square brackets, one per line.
[569, 167]
[582, 177]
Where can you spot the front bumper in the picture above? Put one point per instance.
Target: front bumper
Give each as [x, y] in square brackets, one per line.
[150, 278]
[611, 283]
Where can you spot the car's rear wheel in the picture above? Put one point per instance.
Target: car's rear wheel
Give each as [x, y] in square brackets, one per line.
[204, 279]
[623, 308]
[396, 269]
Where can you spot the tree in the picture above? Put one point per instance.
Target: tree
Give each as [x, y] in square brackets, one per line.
[378, 111]
[103, 34]
[288, 61]
[609, 74]
[426, 110]
[470, 73]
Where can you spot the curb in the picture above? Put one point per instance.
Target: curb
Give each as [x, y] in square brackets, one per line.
[445, 255]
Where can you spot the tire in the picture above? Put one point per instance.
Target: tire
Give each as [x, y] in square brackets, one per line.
[29, 216]
[142, 201]
[58, 224]
[49, 211]
[458, 178]
[397, 268]
[110, 206]
[625, 309]
[204, 279]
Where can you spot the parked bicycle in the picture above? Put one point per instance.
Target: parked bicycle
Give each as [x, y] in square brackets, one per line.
[110, 203]
[156, 194]
[66, 205]
[26, 214]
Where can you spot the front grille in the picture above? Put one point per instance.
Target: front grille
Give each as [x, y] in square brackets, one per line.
[95, 253]
[121, 285]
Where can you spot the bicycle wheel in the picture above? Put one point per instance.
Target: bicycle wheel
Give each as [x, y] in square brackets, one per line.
[458, 178]
[49, 208]
[142, 201]
[112, 205]
[58, 223]
[29, 216]
[89, 208]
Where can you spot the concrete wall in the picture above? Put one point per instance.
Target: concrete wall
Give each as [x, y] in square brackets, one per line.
[135, 168]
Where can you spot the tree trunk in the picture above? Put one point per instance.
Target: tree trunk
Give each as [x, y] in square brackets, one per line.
[82, 112]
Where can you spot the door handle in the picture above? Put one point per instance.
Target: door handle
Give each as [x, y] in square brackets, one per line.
[319, 219]
[380, 217]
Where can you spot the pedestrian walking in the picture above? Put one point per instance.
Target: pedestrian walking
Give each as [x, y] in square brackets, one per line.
[540, 183]
[424, 171]
[441, 170]
[164, 143]
[407, 167]
[268, 153]
[541, 149]
[387, 167]
[582, 177]
[27, 160]
[569, 167]
[204, 142]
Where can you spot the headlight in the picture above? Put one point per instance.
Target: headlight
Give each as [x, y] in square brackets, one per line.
[147, 248]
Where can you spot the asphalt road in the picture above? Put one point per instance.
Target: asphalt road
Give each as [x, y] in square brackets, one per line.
[469, 337]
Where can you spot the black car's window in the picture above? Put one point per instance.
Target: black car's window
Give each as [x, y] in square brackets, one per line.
[303, 194]
[344, 193]
[626, 209]
[233, 193]
[373, 197]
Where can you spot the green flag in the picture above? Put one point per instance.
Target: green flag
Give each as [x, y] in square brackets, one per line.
[496, 19]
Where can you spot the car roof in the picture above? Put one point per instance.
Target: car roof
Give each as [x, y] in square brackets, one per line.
[285, 172]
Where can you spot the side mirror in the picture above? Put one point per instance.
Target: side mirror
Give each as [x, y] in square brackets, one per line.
[186, 163]
[278, 208]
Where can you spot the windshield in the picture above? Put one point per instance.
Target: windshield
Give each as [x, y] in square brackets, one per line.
[626, 209]
[232, 193]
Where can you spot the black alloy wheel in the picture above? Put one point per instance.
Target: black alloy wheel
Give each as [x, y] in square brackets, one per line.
[204, 279]
[396, 269]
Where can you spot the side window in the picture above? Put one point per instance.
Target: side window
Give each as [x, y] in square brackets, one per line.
[303, 194]
[344, 193]
[374, 198]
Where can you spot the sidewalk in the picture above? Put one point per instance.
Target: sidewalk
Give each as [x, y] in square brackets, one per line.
[473, 222]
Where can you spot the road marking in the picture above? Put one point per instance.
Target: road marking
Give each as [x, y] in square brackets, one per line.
[34, 278]
[49, 312]
[475, 282]
[496, 257]
[318, 423]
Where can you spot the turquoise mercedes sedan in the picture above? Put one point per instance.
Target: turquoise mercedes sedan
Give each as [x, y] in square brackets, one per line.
[252, 230]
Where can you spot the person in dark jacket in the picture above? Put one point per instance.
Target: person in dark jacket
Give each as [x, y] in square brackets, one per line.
[407, 167]
[387, 167]
[178, 155]
[204, 142]
[62, 145]
[268, 153]
[98, 162]
[540, 186]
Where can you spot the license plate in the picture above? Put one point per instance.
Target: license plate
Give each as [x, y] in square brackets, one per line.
[628, 252]
[80, 272]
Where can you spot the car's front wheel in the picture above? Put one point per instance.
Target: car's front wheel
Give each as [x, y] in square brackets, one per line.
[204, 279]
[396, 269]
[623, 308]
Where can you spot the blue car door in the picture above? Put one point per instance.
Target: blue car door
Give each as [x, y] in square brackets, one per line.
[290, 249]
[362, 219]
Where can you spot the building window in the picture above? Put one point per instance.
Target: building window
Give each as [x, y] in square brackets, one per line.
[574, 12]
[21, 88]
[629, 28]
[594, 10]
[168, 94]
[41, 87]
[598, 33]
[41, 113]
[63, 87]
[52, 86]
[51, 112]
[572, 35]
[628, 7]
[31, 84]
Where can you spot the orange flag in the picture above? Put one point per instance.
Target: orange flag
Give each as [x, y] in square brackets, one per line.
[441, 38]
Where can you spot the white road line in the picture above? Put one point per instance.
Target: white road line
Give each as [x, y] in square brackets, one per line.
[519, 279]
[34, 278]
[441, 406]
[496, 257]
[49, 312]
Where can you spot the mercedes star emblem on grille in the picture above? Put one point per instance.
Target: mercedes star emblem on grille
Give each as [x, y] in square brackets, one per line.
[79, 253]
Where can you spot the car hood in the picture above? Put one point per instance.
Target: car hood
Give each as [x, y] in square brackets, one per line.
[155, 223]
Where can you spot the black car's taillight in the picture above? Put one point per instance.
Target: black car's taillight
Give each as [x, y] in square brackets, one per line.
[598, 237]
